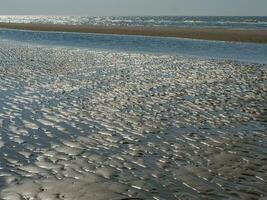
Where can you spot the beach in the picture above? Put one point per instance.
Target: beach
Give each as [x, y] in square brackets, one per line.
[221, 34]
[135, 111]
[91, 124]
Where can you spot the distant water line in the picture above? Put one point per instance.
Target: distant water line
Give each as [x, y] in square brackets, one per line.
[248, 22]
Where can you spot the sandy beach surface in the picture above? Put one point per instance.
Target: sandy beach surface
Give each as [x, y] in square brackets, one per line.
[255, 36]
[79, 124]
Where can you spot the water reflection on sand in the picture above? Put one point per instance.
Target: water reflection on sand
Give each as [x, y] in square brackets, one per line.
[78, 124]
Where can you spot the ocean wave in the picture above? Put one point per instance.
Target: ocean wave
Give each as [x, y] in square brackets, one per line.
[240, 22]
[194, 21]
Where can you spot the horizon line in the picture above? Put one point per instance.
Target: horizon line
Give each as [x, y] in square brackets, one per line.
[133, 15]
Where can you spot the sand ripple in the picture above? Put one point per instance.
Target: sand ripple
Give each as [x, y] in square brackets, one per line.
[78, 124]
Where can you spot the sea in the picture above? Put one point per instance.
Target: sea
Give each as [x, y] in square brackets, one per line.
[248, 52]
[234, 22]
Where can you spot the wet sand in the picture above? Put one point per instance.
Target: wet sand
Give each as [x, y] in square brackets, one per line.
[255, 36]
[95, 125]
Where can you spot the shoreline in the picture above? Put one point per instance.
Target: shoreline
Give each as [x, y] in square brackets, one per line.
[233, 35]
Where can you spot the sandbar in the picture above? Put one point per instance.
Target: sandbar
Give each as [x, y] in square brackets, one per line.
[234, 35]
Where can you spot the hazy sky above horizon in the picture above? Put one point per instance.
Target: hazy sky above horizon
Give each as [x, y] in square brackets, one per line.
[134, 7]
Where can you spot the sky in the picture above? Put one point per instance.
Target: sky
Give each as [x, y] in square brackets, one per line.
[134, 7]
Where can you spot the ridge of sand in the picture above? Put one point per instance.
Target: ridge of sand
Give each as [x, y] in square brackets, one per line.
[237, 35]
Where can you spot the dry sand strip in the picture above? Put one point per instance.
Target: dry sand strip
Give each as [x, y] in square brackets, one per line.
[254, 36]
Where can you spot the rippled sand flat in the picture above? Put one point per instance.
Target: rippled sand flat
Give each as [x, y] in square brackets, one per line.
[83, 125]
